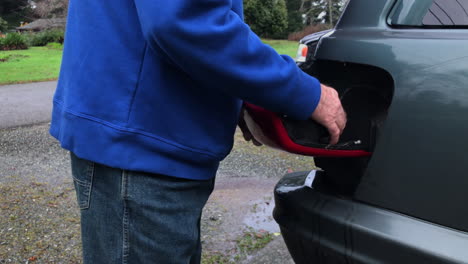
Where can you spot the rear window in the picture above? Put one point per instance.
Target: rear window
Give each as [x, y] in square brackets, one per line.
[435, 13]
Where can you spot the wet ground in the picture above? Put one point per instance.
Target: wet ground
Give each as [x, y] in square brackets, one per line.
[39, 220]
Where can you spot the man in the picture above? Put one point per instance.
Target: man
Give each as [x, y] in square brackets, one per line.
[148, 101]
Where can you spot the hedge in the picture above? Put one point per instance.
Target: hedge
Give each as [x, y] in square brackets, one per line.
[13, 41]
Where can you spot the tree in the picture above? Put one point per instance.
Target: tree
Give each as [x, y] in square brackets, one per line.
[51, 8]
[8, 7]
[279, 19]
[333, 12]
[267, 18]
[322, 11]
[3, 25]
[15, 11]
[295, 20]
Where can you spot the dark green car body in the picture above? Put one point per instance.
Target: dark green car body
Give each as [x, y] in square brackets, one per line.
[408, 202]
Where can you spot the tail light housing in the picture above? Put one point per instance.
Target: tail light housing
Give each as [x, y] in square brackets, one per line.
[302, 52]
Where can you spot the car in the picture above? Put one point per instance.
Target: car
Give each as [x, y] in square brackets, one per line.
[401, 70]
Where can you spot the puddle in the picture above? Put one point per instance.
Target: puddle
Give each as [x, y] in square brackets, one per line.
[260, 216]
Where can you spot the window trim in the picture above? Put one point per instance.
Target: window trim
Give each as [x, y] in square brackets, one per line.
[393, 10]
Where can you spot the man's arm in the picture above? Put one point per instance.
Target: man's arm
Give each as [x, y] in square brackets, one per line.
[212, 44]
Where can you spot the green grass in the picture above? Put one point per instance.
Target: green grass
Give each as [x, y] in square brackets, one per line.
[43, 63]
[215, 258]
[253, 240]
[31, 65]
[248, 243]
[283, 46]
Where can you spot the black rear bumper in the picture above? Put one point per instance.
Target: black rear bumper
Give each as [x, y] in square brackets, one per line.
[321, 228]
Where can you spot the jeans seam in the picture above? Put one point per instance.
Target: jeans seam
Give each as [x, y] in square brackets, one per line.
[125, 237]
[82, 183]
[90, 174]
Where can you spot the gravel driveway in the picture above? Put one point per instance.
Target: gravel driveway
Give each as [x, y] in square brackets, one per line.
[39, 220]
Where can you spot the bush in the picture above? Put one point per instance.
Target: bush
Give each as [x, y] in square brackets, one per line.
[296, 36]
[54, 45]
[13, 41]
[267, 18]
[45, 37]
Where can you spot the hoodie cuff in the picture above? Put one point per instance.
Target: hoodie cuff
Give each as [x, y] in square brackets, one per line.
[306, 99]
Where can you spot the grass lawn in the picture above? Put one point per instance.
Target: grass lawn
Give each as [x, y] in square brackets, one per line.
[31, 65]
[283, 46]
[43, 64]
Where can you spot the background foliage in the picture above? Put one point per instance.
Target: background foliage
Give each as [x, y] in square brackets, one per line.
[51, 8]
[16, 41]
[318, 11]
[280, 18]
[267, 18]
[295, 19]
[3, 25]
[16, 11]
[43, 38]
[13, 41]
[12, 6]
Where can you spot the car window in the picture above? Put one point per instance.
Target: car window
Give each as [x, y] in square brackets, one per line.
[430, 13]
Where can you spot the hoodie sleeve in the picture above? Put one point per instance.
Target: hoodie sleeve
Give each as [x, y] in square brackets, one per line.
[212, 44]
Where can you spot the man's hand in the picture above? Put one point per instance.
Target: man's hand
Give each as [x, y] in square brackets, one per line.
[330, 113]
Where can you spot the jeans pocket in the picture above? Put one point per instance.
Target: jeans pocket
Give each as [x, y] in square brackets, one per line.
[83, 173]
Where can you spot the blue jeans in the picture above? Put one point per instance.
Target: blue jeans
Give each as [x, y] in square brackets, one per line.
[134, 217]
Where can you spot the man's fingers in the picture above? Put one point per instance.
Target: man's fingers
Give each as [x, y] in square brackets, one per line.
[245, 131]
[256, 143]
[330, 113]
[335, 133]
[338, 128]
[247, 135]
[341, 121]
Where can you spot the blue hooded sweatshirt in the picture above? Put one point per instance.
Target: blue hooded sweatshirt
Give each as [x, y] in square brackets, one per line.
[157, 85]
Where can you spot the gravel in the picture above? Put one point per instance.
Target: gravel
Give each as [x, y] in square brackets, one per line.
[39, 219]
[249, 161]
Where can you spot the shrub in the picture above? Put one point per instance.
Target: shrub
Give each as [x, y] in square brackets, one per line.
[45, 37]
[13, 41]
[267, 18]
[54, 45]
[296, 36]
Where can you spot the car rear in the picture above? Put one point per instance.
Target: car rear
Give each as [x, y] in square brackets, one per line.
[402, 84]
